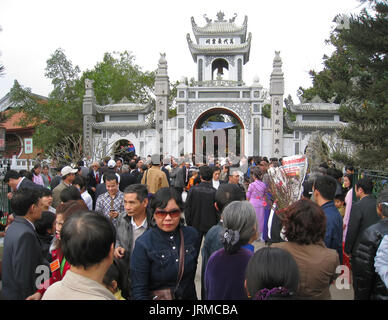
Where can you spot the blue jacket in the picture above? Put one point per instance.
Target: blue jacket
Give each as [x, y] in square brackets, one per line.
[155, 261]
[334, 229]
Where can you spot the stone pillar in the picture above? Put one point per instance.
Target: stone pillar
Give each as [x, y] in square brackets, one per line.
[276, 92]
[162, 90]
[89, 117]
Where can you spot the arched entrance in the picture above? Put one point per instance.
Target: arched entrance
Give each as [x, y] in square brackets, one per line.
[224, 129]
[124, 149]
[220, 68]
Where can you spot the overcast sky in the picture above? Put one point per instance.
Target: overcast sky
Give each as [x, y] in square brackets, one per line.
[86, 29]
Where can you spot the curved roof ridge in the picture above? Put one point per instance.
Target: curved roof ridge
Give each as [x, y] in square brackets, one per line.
[220, 28]
[124, 108]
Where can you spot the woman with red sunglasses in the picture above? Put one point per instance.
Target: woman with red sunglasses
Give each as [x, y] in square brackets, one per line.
[156, 261]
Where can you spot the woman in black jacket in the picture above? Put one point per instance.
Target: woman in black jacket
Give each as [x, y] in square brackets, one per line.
[366, 282]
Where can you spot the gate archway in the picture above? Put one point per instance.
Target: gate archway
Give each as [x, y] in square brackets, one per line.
[223, 142]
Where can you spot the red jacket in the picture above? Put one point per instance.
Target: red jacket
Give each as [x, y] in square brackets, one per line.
[56, 275]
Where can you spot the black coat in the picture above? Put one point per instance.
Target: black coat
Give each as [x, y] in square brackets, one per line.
[127, 178]
[167, 175]
[199, 208]
[92, 181]
[101, 189]
[28, 184]
[362, 215]
[137, 175]
[21, 257]
[368, 284]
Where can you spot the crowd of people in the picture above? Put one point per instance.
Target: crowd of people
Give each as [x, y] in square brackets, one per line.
[134, 229]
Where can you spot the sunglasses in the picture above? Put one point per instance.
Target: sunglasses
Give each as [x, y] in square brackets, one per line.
[161, 214]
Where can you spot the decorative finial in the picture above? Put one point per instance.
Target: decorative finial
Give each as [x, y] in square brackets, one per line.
[193, 22]
[234, 18]
[277, 61]
[89, 84]
[207, 19]
[220, 16]
[124, 100]
[162, 59]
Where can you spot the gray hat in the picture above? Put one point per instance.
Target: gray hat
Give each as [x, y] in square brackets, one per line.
[155, 159]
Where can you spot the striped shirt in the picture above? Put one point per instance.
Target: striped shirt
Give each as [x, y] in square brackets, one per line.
[105, 203]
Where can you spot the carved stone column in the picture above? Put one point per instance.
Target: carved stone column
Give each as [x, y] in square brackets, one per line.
[162, 90]
[276, 92]
[89, 117]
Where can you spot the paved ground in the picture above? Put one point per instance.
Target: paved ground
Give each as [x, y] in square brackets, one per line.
[336, 294]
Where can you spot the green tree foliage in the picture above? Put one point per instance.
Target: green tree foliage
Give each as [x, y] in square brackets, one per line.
[356, 76]
[117, 76]
[60, 117]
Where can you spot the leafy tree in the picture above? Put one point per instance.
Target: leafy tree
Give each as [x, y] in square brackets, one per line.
[356, 76]
[58, 121]
[117, 76]
[266, 110]
[59, 116]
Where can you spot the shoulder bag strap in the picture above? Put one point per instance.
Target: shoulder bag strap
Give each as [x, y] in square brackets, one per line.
[145, 182]
[181, 259]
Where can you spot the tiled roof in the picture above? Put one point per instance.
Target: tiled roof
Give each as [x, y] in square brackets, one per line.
[217, 28]
[124, 108]
[320, 107]
[315, 125]
[5, 102]
[120, 126]
[11, 123]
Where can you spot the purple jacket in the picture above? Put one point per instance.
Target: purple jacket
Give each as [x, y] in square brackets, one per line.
[225, 275]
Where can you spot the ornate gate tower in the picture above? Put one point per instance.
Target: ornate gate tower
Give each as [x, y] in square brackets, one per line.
[220, 50]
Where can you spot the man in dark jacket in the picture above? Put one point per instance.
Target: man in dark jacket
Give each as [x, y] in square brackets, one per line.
[17, 182]
[200, 211]
[129, 178]
[362, 215]
[22, 248]
[367, 283]
[324, 188]
[131, 225]
[93, 180]
[180, 177]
